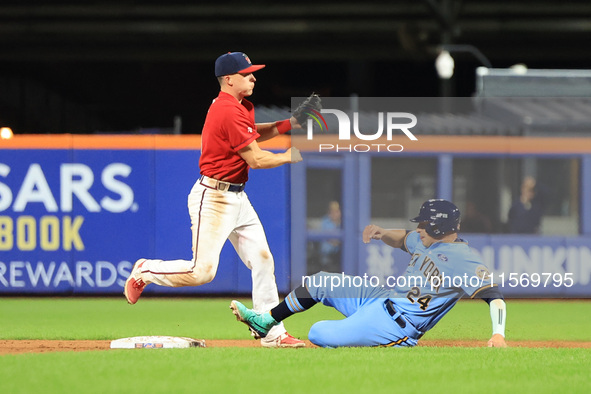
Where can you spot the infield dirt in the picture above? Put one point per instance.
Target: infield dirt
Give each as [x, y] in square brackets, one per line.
[44, 346]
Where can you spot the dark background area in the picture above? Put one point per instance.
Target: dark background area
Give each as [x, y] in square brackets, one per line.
[125, 66]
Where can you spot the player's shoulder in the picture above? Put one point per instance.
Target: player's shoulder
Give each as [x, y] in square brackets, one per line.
[460, 261]
[226, 110]
[459, 245]
[411, 241]
[232, 107]
[224, 100]
[460, 250]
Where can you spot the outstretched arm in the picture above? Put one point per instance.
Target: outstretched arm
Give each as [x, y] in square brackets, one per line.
[498, 314]
[273, 129]
[258, 158]
[394, 238]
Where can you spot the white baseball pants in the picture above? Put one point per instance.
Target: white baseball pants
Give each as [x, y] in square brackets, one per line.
[215, 217]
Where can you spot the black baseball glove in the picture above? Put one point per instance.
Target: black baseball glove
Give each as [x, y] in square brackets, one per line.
[302, 112]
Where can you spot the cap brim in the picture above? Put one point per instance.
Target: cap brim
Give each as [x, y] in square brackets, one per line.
[419, 219]
[251, 69]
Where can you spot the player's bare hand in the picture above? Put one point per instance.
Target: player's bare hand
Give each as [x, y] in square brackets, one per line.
[372, 232]
[294, 123]
[295, 154]
[497, 340]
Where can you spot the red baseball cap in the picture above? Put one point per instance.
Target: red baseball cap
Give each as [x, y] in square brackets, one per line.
[235, 62]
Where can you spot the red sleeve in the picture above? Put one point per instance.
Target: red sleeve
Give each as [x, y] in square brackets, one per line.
[241, 130]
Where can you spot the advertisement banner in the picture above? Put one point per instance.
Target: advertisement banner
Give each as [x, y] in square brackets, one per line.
[73, 221]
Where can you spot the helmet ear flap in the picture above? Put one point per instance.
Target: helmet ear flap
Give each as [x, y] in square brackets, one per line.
[442, 217]
[433, 229]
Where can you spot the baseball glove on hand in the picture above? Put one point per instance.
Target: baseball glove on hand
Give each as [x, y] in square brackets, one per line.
[304, 110]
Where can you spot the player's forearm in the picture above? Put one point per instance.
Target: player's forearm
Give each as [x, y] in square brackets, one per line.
[394, 238]
[261, 159]
[257, 158]
[273, 129]
[268, 159]
[267, 131]
[498, 315]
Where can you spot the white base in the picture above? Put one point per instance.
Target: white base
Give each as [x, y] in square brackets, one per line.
[156, 342]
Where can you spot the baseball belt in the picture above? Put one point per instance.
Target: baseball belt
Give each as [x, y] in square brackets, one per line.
[398, 319]
[221, 185]
[401, 321]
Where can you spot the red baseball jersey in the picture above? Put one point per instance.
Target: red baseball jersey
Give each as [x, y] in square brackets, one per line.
[229, 127]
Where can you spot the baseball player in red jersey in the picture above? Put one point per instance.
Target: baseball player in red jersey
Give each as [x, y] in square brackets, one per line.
[218, 206]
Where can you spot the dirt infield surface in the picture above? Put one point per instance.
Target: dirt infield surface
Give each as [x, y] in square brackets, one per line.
[44, 346]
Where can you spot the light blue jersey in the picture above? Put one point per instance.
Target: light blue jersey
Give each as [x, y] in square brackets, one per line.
[436, 278]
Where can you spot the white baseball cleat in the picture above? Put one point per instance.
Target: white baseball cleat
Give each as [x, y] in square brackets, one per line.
[284, 340]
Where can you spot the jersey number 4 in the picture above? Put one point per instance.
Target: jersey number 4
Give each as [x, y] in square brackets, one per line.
[414, 295]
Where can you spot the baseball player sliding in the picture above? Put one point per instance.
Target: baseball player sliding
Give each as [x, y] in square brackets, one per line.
[218, 206]
[377, 316]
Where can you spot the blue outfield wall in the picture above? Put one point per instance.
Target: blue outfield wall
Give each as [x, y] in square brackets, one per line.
[74, 221]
